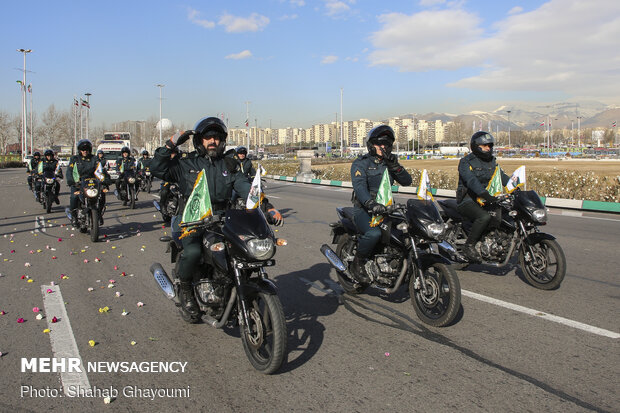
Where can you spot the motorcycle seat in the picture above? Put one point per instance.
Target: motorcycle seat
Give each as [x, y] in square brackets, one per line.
[449, 208]
[346, 212]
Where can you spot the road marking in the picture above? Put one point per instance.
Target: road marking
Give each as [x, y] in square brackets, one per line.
[556, 319]
[61, 337]
[39, 224]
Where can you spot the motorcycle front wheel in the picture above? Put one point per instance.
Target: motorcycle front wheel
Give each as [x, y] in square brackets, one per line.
[48, 202]
[264, 340]
[132, 197]
[442, 301]
[94, 225]
[546, 268]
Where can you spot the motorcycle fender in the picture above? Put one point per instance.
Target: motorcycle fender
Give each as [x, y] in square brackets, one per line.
[535, 237]
[260, 285]
[429, 259]
[337, 232]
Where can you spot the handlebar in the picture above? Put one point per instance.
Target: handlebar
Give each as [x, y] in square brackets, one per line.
[208, 221]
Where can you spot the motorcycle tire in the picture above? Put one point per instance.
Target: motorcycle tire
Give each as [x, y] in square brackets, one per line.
[48, 203]
[442, 302]
[166, 218]
[148, 187]
[348, 246]
[264, 340]
[132, 198]
[94, 225]
[548, 253]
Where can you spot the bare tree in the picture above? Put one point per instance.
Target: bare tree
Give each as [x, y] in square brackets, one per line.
[5, 130]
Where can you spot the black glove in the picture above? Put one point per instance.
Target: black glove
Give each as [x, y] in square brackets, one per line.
[391, 161]
[488, 198]
[232, 164]
[274, 217]
[375, 207]
[177, 140]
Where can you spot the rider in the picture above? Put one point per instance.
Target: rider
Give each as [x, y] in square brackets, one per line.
[222, 173]
[124, 163]
[50, 164]
[144, 162]
[475, 171]
[83, 166]
[102, 159]
[366, 174]
[164, 190]
[244, 163]
[32, 167]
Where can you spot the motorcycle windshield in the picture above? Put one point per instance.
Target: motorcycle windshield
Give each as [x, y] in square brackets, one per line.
[249, 222]
[528, 200]
[422, 210]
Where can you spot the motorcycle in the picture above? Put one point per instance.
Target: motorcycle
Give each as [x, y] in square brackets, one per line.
[37, 187]
[129, 188]
[231, 285]
[47, 193]
[518, 217]
[146, 180]
[406, 254]
[170, 207]
[90, 207]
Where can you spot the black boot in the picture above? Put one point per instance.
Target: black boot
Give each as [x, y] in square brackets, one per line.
[358, 270]
[188, 301]
[470, 253]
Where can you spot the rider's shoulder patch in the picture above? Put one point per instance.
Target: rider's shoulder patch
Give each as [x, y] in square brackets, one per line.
[358, 173]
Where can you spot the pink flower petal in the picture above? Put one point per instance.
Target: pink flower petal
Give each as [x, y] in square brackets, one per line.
[20, 320]
[36, 309]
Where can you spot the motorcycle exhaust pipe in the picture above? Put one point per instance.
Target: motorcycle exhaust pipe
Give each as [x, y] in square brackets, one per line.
[68, 213]
[163, 280]
[157, 207]
[333, 259]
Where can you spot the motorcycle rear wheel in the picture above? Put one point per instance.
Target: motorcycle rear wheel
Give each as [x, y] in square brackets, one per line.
[548, 256]
[441, 304]
[347, 246]
[264, 340]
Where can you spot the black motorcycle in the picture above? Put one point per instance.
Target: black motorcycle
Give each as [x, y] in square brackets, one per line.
[90, 207]
[515, 227]
[129, 187]
[47, 193]
[406, 254]
[146, 180]
[170, 207]
[37, 187]
[231, 285]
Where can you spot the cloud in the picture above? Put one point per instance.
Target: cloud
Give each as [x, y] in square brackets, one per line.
[241, 55]
[298, 3]
[328, 60]
[235, 24]
[192, 16]
[338, 7]
[289, 17]
[516, 10]
[564, 45]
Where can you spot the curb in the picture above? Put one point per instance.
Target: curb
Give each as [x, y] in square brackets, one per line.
[584, 205]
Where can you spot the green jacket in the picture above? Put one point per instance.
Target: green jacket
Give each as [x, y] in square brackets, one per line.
[474, 176]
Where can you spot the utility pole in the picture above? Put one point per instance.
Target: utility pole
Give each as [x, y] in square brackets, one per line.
[160, 86]
[341, 125]
[247, 124]
[24, 116]
[509, 111]
[88, 95]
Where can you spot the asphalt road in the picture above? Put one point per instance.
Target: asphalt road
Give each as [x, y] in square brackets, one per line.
[364, 353]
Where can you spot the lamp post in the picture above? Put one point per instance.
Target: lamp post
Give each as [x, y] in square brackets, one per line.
[579, 131]
[160, 86]
[509, 111]
[24, 142]
[88, 95]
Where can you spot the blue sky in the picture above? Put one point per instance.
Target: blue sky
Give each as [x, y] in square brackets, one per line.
[290, 58]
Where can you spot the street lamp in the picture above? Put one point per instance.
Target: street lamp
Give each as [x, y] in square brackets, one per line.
[579, 131]
[88, 95]
[509, 111]
[24, 143]
[160, 86]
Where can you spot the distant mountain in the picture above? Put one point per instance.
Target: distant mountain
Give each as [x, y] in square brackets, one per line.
[560, 115]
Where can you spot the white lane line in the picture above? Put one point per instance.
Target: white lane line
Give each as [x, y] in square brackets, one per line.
[556, 319]
[62, 339]
[39, 224]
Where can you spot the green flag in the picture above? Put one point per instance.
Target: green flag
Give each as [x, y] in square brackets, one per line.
[495, 186]
[198, 204]
[384, 197]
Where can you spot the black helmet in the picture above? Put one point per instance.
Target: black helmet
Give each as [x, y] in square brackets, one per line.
[242, 150]
[125, 149]
[482, 138]
[145, 152]
[100, 151]
[210, 126]
[48, 152]
[380, 135]
[85, 145]
[37, 153]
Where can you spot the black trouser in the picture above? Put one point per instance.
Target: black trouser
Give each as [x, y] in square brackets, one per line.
[481, 219]
[370, 235]
[192, 249]
[163, 194]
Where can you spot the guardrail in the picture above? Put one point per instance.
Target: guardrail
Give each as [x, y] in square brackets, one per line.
[579, 204]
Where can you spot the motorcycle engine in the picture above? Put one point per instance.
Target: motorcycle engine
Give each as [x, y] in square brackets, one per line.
[494, 246]
[171, 207]
[211, 291]
[386, 267]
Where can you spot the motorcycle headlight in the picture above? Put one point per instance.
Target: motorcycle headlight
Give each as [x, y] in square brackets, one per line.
[261, 249]
[435, 230]
[131, 180]
[539, 215]
[148, 173]
[91, 192]
[49, 180]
